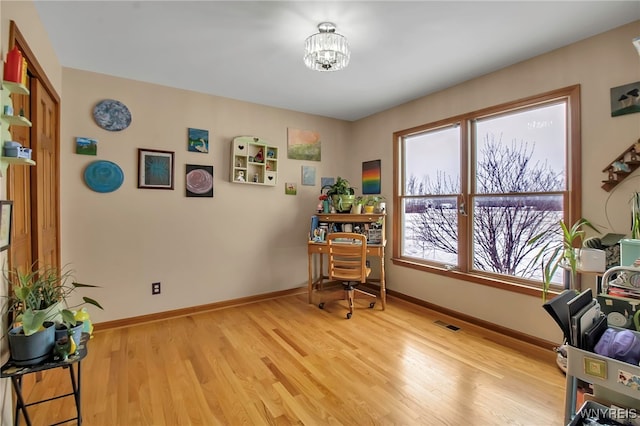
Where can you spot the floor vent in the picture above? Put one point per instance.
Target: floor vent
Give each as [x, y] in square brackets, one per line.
[445, 325]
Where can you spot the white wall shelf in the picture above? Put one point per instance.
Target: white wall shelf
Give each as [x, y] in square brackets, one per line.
[9, 87]
[253, 161]
[16, 120]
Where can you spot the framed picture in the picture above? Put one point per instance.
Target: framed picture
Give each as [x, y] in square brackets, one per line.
[155, 169]
[290, 188]
[303, 145]
[308, 175]
[6, 210]
[198, 140]
[199, 181]
[86, 146]
[371, 177]
[595, 367]
[625, 99]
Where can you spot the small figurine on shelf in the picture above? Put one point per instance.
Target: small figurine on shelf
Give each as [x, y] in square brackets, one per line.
[270, 153]
[259, 156]
[240, 176]
[621, 166]
[255, 177]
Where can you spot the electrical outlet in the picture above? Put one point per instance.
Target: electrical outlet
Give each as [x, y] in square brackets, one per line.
[155, 288]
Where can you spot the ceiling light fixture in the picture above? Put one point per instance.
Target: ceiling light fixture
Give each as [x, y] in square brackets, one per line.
[326, 50]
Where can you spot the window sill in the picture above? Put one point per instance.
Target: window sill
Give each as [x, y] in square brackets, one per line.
[477, 278]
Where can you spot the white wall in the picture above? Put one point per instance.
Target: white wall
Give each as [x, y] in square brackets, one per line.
[247, 240]
[597, 64]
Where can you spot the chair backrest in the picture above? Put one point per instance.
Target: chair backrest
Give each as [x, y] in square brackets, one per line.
[347, 257]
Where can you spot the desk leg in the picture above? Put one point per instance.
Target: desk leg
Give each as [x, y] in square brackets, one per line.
[310, 284]
[20, 405]
[383, 285]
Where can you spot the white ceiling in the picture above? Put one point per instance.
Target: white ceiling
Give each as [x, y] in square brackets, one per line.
[252, 50]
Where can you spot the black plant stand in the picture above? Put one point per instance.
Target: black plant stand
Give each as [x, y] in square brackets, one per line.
[16, 372]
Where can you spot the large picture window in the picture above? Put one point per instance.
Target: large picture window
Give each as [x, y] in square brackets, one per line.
[474, 189]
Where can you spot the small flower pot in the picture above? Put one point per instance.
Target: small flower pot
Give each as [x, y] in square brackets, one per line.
[76, 332]
[33, 349]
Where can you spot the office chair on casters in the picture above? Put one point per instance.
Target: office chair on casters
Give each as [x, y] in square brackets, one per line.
[348, 263]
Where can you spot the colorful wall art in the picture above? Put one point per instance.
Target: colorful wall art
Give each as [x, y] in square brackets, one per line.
[625, 99]
[198, 140]
[308, 175]
[86, 146]
[371, 177]
[290, 188]
[155, 169]
[327, 181]
[199, 181]
[303, 145]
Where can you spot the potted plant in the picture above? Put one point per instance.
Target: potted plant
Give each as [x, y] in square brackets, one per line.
[356, 207]
[371, 202]
[39, 298]
[342, 195]
[556, 254]
[563, 254]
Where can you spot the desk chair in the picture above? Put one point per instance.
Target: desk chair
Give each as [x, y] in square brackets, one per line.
[348, 263]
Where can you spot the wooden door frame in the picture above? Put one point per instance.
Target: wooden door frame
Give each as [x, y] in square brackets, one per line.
[35, 69]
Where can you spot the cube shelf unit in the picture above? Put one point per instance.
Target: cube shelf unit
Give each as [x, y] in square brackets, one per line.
[9, 87]
[255, 160]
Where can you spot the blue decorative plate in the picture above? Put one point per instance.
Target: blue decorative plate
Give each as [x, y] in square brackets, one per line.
[112, 115]
[103, 176]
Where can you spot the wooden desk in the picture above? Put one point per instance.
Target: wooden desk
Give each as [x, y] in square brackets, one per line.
[373, 250]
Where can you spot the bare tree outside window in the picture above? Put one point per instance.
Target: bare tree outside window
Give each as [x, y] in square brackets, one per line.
[476, 187]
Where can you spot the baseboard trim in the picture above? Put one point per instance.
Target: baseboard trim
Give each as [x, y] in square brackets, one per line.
[523, 337]
[127, 322]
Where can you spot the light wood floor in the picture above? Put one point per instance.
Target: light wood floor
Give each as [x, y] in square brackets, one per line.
[283, 361]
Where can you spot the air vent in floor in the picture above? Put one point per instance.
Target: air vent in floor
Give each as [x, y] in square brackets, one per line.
[445, 325]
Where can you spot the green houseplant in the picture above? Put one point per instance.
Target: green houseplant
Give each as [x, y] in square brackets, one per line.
[563, 253]
[371, 202]
[554, 254]
[39, 298]
[342, 194]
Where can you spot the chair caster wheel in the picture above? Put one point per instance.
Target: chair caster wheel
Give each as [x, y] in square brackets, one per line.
[371, 305]
[349, 315]
[321, 305]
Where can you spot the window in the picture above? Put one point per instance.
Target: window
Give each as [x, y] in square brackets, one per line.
[474, 189]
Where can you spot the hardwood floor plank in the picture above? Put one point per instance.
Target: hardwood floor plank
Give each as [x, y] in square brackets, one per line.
[285, 362]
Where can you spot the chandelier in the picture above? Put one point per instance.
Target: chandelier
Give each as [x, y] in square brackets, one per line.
[326, 50]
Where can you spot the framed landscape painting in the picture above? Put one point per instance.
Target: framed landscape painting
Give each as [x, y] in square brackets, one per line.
[303, 145]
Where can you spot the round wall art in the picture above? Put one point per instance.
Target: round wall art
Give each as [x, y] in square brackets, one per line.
[199, 181]
[112, 115]
[103, 176]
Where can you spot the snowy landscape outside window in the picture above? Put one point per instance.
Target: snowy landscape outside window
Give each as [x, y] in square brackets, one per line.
[475, 188]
